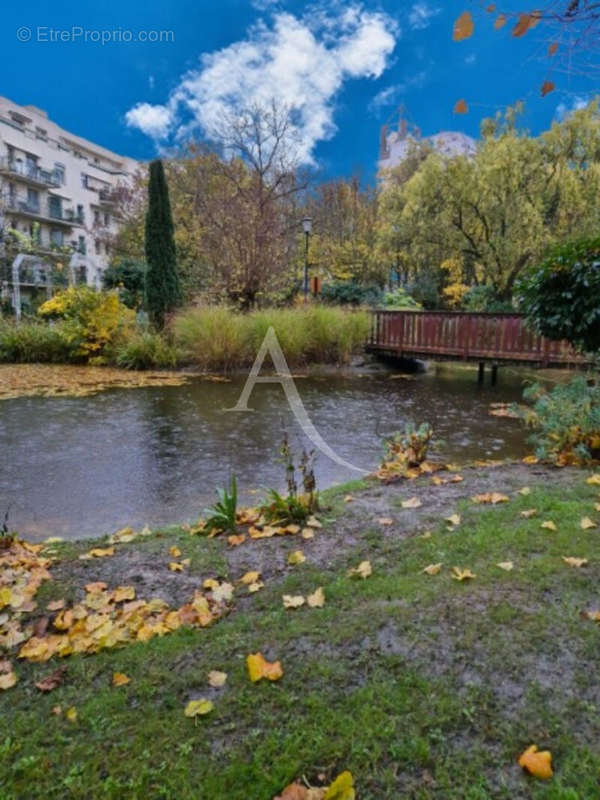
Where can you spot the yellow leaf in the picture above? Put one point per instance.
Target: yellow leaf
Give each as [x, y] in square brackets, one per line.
[99, 552]
[342, 788]
[348, 498]
[210, 584]
[530, 512]
[255, 587]
[586, 523]
[463, 27]
[120, 679]
[414, 502]
[490, 497]
[313, 522]
[223, 592]
[293, 601]
[307, 533]
[537, 762]
[71, 714]
[432, 569]
[8, 680]
[462, 574]
[507, 566]
[549, 525]
[259, 668]
[216, 678]
[575, 562]
[316, 599]
[250, 577]
[385, 521]
[461, 107]
[197, 708]
[530, 460]
[175, 567]
[594, 480]
[453, 519]
[236, 540]
[525, 491]
[55, 605]
[174, 552]
[123, 593]
[362, 571]
[297, 557]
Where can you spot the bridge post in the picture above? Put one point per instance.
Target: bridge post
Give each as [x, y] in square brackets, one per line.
[494, 378]
[480, 372]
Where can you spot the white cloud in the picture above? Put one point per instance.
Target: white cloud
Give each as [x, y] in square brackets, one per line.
[300, 62]
[156, 121]
[563, 109]
[421, 15]
[391, 95]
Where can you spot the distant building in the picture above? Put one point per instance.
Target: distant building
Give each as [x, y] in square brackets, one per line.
[59, 191]
[395, 145]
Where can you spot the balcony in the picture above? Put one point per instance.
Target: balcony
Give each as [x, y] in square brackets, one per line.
[34, 175]
[108, 197]
[55, 214]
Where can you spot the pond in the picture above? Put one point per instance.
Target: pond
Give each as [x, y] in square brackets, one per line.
[80, 467]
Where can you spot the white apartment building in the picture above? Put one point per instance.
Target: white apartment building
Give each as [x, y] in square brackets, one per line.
[59, 193]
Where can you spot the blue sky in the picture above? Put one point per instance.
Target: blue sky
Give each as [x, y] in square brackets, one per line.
[347, 68]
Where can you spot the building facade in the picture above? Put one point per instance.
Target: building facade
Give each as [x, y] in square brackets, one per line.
[58, 202]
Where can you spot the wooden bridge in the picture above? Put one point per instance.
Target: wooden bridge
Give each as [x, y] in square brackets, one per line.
[461, 336]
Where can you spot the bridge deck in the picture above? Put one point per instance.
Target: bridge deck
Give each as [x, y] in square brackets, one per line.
[462, 336]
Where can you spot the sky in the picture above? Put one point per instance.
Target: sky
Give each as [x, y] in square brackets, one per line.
[345, 69]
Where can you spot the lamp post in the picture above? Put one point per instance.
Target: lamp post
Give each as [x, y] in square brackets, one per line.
[307, 228]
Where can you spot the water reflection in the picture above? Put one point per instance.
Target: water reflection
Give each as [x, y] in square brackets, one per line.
[82, 466]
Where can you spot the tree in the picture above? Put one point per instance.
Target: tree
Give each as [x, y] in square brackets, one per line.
[561, 296]
[162, 282]
[129, 276]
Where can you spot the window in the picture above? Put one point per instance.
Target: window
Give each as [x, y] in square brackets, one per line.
[33, 200]
[59, 173]
[42, 134]
[55, 206]
[84, 180]
[96, 217]
[57, 237]
[107, 220]
[97, 246]
[81, 245]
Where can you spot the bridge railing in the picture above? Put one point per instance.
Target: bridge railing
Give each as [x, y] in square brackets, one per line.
[467, 336]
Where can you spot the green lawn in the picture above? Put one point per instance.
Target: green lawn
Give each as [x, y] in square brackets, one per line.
[421, 686]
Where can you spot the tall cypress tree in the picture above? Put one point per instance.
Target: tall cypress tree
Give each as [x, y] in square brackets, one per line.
[162, 282]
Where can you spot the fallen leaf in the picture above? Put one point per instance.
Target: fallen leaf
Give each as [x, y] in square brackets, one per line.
[293, 601]
[217, 679]
[8, 680]
[414, 502]
[174, 566]
[432, 569]
[530, 460]
[316, 599]
[295, 791]
[348, 498]
[250, 577]
[71, 714]
[342, 788]
[587, 523]
[490, 497]
[297, 557]
[307, 533]
[385, 521]
[313, 522]
[453, 519]
[507, 566]
[99, 552]
[362, 571]
[236, 540]
[223, 592]
[123, 593]
[55, 605]
[463, 27]
[549, 525]
[255, 587]
[528, 513]
[525, 491]
[94, 588]
[52, 681]
[120, 679]
[594, 480]
[426, 535]
[210, 583]
[259, 668]
[198, 708]
[462, 574]
[537, 762]
[575, 562]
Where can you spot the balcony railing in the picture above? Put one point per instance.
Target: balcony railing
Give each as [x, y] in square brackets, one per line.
[55, 213]
[30, 172]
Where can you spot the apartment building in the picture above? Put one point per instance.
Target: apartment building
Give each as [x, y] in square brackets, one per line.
[58, 202]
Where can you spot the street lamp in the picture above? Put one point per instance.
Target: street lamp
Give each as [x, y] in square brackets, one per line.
[307, 228]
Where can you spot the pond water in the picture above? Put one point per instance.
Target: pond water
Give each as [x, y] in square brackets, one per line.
[80, 467]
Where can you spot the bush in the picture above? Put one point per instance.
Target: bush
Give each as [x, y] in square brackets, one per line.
[145, 350]
[217, 338]
[401, 300]
[566, 421]
[343, 293]
[30, 342]
[128, 276]
[484, 298]
[93, 322]
[561, 296]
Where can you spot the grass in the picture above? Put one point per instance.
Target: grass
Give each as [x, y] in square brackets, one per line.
[422, 686]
